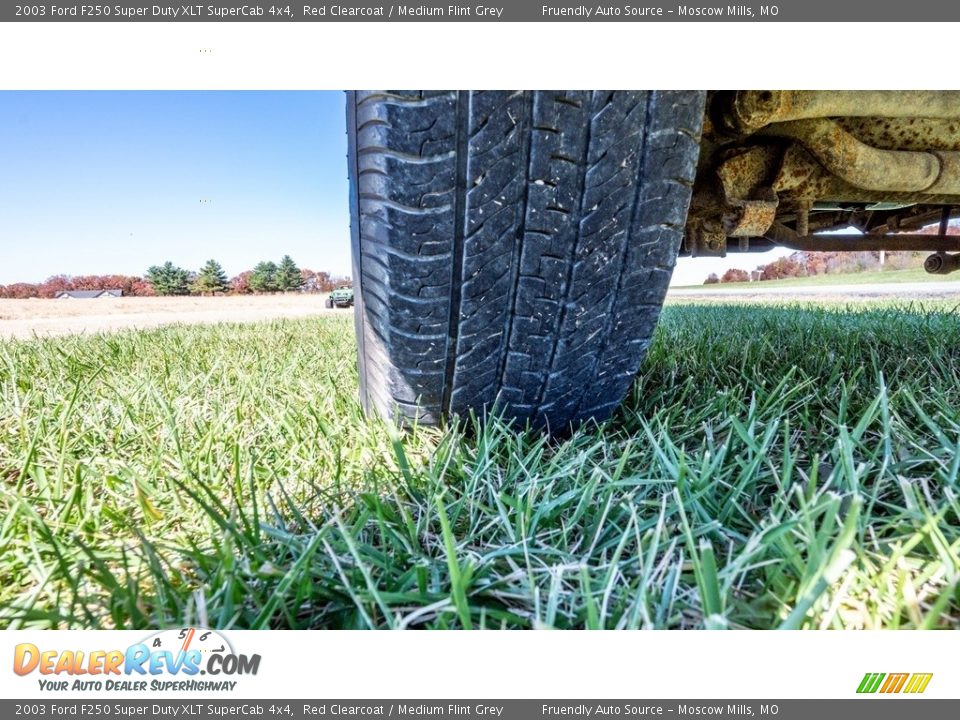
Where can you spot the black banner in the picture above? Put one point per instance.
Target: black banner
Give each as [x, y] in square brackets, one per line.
[490, 11]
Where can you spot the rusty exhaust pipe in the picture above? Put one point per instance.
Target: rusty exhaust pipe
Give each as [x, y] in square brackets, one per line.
[751, 110]
[867, 167]
[780, 234]
[942, 263]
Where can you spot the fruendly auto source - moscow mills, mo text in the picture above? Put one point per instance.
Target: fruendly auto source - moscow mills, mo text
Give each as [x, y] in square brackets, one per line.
[585, 12]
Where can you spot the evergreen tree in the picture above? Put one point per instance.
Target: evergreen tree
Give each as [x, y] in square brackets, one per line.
[288, 275]
[264, 277]
[211, 279]
[168, 279]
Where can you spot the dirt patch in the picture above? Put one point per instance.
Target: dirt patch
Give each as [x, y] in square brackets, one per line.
[43, 318]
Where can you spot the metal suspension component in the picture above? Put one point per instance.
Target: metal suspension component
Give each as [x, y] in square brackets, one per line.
[780, 234]
[867, 167]
[790, 168]
[750, 110]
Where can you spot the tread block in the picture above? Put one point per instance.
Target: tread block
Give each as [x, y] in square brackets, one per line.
[514, 248]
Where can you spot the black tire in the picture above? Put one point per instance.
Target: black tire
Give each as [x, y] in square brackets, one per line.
[329, 303]
[513, 249]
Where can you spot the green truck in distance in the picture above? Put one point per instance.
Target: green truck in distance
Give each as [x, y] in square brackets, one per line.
[342, 297]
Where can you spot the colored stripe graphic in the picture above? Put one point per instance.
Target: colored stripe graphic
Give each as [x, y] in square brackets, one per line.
[893, 683]
[918, 682]
[870, 682]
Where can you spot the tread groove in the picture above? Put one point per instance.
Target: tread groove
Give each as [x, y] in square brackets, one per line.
[569, 259]
[456, 268]
[621, 265]
[512, 249]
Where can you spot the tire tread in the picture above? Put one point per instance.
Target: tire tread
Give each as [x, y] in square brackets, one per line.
[514, 248]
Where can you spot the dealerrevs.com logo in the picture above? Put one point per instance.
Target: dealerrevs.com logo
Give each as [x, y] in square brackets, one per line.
[169, 660]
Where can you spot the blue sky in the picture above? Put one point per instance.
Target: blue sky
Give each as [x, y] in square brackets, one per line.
[113, 182]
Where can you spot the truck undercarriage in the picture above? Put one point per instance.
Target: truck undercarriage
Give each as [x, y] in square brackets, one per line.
[513, 249]
[827, 171]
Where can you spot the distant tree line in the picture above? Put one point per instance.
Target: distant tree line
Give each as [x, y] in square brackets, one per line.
[131, 285]
[170, 279]
[807, 264]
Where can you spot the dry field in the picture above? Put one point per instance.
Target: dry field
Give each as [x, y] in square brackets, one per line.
[47, 318]
[27, 318]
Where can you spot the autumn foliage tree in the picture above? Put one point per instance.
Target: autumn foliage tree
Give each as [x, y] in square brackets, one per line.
[104, 282]
[20, 291]
[780, 268]
[54, 285]
[735, 275]
[240, 284]
[322, 281]
[315, 281]
[142, 288]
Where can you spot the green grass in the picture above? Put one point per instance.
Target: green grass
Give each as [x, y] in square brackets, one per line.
[911, 275]
[791, 467]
